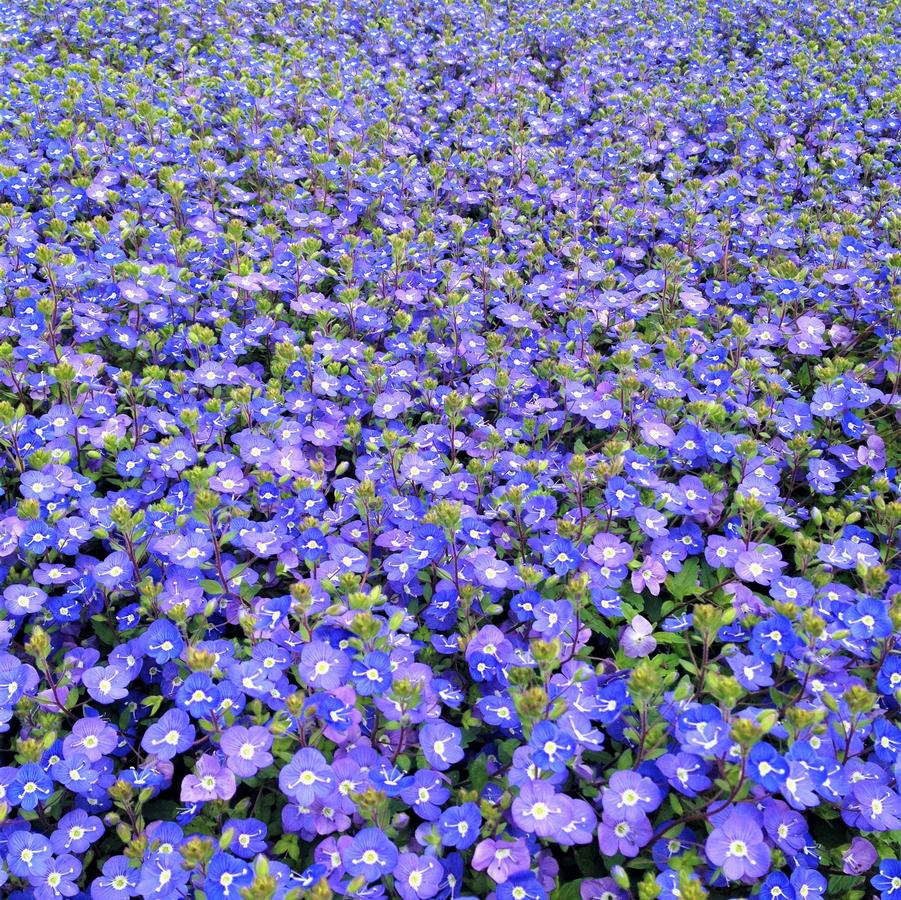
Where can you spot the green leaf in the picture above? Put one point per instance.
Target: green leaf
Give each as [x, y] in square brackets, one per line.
[840, 885]
[676, 640]
[153, 703]
[103, 630]
[684, 583]
[238, 570]
[589, 861]
[505, 749]
[572, 890]
[478, 772]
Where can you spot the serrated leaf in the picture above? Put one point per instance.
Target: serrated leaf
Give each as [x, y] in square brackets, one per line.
[684, 582]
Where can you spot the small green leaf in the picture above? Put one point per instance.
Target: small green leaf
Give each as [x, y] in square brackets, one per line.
[572, 890]
[684, 583]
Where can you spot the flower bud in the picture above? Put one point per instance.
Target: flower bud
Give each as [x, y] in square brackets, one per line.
[321, 890]
[648, 889]
[39, 644]
[746, 733]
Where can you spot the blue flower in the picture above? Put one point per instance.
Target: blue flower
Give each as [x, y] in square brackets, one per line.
[459, 826]
[28, 854]
[226, 876]
[198, 695]
[888, 880]
[766, 767]
[369, 854]
[551, 747]
[172, 734]
[162, 641]
[440, 744]
[869, 619]
[521, 886]
[372, 674]
[30, 787]
[75, 773]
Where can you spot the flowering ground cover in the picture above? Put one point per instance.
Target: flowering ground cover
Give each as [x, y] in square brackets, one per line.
[449, 449]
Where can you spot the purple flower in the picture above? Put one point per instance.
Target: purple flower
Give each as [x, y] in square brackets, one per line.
[829, 401]
[440, 744]
[637, 639]
[490, 571]
[553, 618]
[686, 772]
[76, 832]
[161, 874]
[760, 565]
[501, 858]
[872, 453]
[651, 521]
[59, 878]
[391, 405]
[617, 835]
[650, 575]
[879, 805]
[750, 672]
[738, 847]
[425, 793]
[210, 781]
[246, 749]
[539, 809]
[21, 600]
[859, 858]
[581, 824]
[307, 776]
[786, 827]
[630, 796]
[114, 571]
[722, 551]
[191, 551]
[601, 889]
[169, 736]
[417, 877]
[321, 666]
[356, 444]
[75, 773]
[609, 550]
[106, 684]
[822, 475]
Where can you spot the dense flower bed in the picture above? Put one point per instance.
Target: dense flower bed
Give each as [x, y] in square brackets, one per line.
[448, 449]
